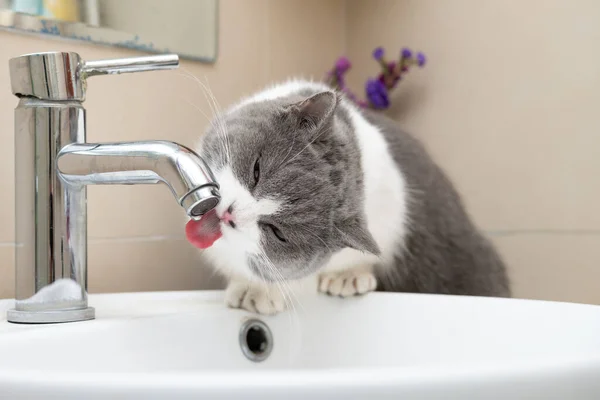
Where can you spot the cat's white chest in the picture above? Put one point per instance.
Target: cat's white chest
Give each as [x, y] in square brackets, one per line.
[385, 201]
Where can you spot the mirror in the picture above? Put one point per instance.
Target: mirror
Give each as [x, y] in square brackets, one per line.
[186, 27]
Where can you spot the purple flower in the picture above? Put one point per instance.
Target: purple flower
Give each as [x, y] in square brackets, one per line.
[378, 53]
[421, 59]
[342, 65]
[406, 53]
[377, 93]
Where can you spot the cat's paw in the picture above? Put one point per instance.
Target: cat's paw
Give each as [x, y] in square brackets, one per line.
[255, 298]
[347, 283]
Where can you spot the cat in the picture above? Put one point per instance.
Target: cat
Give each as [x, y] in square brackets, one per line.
[317, 191]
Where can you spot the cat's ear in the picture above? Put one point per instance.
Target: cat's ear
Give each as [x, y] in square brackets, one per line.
[353, 233]
[317, 110]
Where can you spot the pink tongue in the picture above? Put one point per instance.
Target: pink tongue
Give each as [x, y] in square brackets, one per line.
[204, 232]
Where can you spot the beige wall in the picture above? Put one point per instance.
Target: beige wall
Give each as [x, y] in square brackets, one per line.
[184, 26]
[507, 105]
[136, 232]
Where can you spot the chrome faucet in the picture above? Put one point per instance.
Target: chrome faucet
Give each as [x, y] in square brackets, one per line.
[53, 165]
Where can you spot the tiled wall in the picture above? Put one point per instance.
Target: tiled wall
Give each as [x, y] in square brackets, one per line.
[507, 105]
[136, 237]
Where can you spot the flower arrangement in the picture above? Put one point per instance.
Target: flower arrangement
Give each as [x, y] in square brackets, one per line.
[376, 89]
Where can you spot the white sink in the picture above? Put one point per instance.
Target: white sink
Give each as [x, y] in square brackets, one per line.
[175, 345]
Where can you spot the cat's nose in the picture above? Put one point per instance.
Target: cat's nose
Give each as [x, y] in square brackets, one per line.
[227, 217]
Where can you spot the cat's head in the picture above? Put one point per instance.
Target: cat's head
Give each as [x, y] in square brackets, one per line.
[291, 186]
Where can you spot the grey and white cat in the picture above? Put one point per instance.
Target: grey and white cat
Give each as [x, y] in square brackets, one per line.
[318, 192]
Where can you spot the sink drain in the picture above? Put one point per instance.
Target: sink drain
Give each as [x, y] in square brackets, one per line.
[256, 340]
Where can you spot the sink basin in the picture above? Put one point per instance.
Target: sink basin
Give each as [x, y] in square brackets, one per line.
[188, 345]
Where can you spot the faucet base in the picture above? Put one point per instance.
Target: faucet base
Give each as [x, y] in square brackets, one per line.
[50, 317]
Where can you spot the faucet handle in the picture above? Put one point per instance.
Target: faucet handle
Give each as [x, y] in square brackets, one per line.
[61, 76]
[132, 64]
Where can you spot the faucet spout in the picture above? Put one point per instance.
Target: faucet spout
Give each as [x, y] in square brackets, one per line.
[188, 177]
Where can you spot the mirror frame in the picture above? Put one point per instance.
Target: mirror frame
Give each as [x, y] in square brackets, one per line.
[39, 26]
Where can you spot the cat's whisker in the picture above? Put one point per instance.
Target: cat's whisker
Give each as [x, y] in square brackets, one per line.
[328, 130]
[293, 297]
[214, 272]
[286, 291]
[200, 110]
[211, 122]
[216, 121]
[306, 230]
[212, 96]
[276, 282]
[273, 272]
[262, 276]
[288, 153]
[216, 109]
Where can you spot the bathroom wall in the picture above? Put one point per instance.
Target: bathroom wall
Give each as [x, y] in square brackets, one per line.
[136, 232]
[151, 21]
[508, 105]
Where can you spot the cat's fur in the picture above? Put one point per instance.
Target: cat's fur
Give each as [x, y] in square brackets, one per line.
[345, 202]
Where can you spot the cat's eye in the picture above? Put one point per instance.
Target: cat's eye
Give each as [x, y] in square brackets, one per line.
[276, 232]
[256, 170]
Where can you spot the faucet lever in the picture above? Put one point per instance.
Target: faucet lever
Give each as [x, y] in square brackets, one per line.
[60, 76]
[132, 64]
